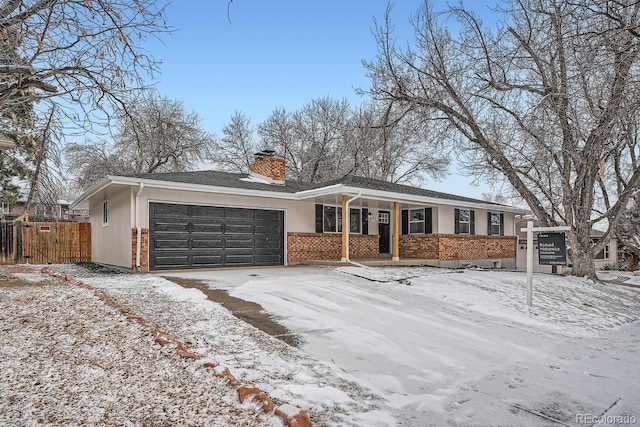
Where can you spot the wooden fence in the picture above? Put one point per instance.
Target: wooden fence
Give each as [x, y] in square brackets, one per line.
[45, 242]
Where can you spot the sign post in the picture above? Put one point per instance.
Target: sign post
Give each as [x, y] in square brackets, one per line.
[553, 251]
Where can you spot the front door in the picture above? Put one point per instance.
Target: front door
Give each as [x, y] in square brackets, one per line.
[383, 231]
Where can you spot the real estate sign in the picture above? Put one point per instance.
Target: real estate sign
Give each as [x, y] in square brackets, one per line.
[552, 249]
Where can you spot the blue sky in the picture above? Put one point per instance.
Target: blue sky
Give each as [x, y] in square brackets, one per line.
[273, 54]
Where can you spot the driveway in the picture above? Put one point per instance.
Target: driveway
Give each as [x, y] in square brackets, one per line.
[433, 346]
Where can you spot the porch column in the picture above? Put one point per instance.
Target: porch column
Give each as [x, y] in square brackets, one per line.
[345, 231]
[395, 251]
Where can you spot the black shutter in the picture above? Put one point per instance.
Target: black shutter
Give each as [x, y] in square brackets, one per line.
[405, 222]
[489, 223]
[365, 221]
[502, 224]
[319, 228]
[428, 221]
[456, 216]
[472, 222]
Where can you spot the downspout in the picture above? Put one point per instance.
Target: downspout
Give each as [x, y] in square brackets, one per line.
[349, 228]
[138, 229]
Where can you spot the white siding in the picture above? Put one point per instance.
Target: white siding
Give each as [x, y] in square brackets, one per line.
[111, 244]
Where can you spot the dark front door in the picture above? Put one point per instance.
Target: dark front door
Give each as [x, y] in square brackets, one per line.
[383, 231]
[192, 236]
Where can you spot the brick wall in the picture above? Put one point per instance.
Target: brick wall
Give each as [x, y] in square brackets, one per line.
[422, 246]
[270, 167]
[144, 247]
[448, 247]
[306, 246]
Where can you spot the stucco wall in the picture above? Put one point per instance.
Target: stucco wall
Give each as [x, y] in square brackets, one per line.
[110, 243]
[446, 221]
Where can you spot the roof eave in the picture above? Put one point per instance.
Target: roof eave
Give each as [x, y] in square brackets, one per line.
[412, 198]
[182, 186]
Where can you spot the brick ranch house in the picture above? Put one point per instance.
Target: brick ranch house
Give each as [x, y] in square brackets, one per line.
[211, 219]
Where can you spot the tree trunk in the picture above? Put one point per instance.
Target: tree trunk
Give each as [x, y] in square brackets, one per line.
[583, 265]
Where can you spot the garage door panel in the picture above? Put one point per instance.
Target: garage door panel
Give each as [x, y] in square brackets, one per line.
[164, 209]
[207, 243]
[211, 228]
[207, 212]
[171, 260]
[166, 244]
[203, 261]
[268, 259]
[191, 236]
[238, 243]
[264, 229]
[170, 227]
[237, 228]
[267, 215]
[238, 213]
[239, 259]
[268, 244]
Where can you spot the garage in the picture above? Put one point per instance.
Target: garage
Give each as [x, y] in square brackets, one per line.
[192, 236]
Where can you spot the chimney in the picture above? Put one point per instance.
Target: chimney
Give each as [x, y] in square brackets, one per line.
[268, 167]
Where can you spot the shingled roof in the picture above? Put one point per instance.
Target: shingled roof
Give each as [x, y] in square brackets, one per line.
[240, 180]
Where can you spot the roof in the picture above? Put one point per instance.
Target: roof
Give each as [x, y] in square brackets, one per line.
[248, 185]
[377, 184]
[223, 179]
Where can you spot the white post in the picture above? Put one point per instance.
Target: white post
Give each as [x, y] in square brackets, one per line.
[530, 263]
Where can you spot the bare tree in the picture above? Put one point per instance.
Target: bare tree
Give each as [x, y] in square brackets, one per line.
[234, 151]
[395, 148]
[541, 102]
[81, 59]
[328, 139]
[155, 135]
[84, 54]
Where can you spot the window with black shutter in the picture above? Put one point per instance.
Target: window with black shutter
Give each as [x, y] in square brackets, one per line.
[464, 221]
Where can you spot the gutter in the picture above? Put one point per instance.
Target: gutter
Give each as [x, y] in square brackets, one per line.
[347, 213]
[138, 229]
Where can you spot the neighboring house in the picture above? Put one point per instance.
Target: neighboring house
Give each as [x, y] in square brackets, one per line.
[607, 256]
[218, 219]
[44, 211]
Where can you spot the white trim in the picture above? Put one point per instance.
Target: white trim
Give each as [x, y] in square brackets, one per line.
[138, 228]
[301, 195]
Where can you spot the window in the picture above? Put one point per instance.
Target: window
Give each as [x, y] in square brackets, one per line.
[105, 213]
[332, 220]
[355, 220]
[416, 221]
[464, 221]
[495, 224]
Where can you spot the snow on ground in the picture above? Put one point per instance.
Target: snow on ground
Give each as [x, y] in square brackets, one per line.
[412, 346]
[67, 359]
[460, 348]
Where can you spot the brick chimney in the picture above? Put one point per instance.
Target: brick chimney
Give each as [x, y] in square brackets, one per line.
[269, 167]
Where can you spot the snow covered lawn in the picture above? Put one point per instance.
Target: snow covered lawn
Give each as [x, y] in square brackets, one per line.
[459, 348]
[380, 346]
[67, 359]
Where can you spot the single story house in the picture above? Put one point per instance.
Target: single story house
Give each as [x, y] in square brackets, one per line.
[211, 219]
